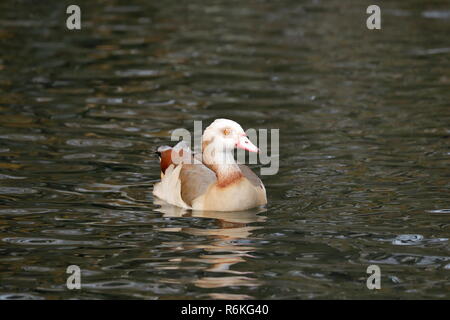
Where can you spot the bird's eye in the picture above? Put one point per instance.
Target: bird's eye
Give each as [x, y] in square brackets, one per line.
[226, 131]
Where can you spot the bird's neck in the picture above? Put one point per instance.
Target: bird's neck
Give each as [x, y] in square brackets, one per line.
[223, 164]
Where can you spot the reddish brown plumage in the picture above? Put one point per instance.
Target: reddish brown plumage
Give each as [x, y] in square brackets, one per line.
[228, 181]
[231, 177]
[166, 157]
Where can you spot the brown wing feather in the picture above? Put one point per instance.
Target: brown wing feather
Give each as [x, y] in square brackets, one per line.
[195, 180]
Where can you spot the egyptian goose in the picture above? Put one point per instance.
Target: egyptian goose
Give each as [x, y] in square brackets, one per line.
[211, 180]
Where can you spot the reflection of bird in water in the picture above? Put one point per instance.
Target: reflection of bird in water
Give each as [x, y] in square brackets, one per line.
[225, 247]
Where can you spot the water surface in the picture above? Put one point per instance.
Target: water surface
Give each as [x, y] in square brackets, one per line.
[364, 159]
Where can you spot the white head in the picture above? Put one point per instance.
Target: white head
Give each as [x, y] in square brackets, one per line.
[225, 135]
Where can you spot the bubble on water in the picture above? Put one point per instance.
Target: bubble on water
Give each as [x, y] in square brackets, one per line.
[394, 279]
[407, 239]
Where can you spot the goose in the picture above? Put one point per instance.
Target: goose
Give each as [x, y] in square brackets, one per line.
[212, 180]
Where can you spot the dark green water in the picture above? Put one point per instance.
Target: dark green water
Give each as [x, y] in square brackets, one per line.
[364, 119]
